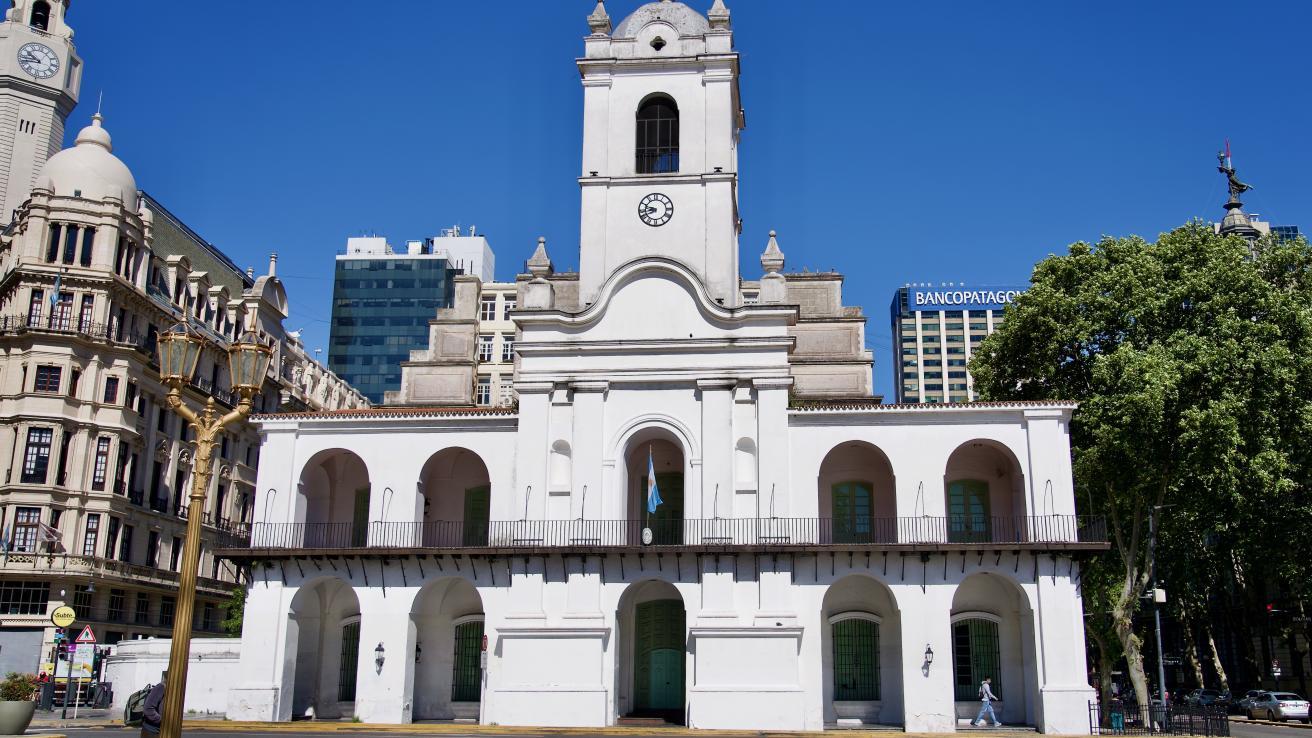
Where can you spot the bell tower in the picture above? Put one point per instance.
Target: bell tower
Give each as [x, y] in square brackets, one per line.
[40, 75]
[661, 123]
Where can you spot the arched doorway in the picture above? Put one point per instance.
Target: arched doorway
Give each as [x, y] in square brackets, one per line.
[324, 645]
[858, 498]
[655, 449]
[985, 494]
[993, 636]
[448, 620]
[457, 498]
[653, 624]
[334, 500]
[861, 654]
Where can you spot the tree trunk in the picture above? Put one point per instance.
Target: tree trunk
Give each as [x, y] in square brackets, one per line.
[1216, 660]
[1191, 651]
[1105, 666]
[1131, 644]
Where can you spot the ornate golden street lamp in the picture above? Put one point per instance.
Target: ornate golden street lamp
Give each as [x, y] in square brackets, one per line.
[248, 360]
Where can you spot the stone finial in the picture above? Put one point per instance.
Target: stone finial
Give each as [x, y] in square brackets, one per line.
[772, 260]
[273, 264]
[539, 265]
[599, 21]
[719, 16]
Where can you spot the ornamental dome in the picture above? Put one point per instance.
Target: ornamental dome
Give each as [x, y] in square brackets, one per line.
[685, 20]
[90, 168]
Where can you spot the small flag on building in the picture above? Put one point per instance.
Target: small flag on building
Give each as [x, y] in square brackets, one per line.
[653, 492]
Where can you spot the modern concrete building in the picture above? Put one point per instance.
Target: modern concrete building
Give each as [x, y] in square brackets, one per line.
[686, 515]
[383, 298]
[96, 468]
[936, 329]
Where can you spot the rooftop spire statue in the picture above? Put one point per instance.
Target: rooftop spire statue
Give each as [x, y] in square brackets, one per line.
[1237, 188]
[1236, 220]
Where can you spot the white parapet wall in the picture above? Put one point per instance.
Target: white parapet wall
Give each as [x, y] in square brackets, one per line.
[213, 668]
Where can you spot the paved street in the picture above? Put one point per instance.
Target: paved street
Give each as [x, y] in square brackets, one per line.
[1245, 729]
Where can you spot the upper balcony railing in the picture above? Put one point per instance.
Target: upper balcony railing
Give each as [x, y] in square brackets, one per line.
[772, 533]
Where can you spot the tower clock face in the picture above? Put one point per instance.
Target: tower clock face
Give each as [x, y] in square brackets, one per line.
[38, 60]
[656, 209]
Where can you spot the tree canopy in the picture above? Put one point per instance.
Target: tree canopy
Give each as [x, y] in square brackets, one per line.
[1191, 358]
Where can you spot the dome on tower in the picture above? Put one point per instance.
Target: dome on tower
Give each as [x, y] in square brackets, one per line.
[90, 167]
[685, 20]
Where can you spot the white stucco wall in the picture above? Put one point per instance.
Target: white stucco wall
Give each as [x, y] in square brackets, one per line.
[212, 669]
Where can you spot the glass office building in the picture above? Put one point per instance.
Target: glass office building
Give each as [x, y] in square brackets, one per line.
[935, 332]
[382, 302]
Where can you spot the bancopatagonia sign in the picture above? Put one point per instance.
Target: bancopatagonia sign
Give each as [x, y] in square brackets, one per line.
[962, 298]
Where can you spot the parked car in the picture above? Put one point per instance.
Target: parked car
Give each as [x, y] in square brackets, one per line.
[1278, 706]
[1206, 697]
[1245, 703]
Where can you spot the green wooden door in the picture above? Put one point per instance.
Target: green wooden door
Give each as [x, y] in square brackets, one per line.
[659, 656]
[968, 512]
[465, 668]
[477, 505]
[850, 507]
[350, 661]
[360, 518]
[667, 522]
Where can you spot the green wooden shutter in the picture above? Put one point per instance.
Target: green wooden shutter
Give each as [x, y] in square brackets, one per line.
[478, 502]
[856, 659]
[350, 662]
[850, 507]
[667, 522]
[969, 518]
[360, 518]
[465, 664]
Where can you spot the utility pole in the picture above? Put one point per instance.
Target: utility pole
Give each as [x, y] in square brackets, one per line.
[1157, 611]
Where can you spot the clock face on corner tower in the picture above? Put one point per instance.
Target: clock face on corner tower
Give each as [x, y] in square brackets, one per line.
[656, 209]
[38, 60]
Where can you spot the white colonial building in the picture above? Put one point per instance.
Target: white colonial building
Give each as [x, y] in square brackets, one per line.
[819, 559]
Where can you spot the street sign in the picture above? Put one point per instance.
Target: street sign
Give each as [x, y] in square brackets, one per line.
[86, 636]
[63, 616]
[84, 655]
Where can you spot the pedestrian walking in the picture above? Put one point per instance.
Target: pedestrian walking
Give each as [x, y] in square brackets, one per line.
[150, 717]
[986, 698]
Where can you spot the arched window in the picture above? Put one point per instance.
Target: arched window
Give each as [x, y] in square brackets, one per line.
[40, 15]
[855, 641]
[975, 655]
[658, 136]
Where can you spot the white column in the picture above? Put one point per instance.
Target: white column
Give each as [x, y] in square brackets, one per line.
[385, 695]
[268, 655]
[587, 447]
[772, 446]
[928, 699]
[717, 450]
[530, 456]
[1064, 690]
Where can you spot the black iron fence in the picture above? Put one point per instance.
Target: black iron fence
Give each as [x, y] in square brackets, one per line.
[1120, 718]
[767, 532]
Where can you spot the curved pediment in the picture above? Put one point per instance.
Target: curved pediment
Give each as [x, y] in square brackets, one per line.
[658, 298]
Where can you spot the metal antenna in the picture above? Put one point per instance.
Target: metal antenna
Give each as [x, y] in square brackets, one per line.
[101, 102]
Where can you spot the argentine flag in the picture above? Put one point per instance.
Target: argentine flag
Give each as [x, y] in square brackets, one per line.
[653, 494]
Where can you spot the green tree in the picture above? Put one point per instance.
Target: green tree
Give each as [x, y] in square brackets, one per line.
[234, 607]
[1191, 359]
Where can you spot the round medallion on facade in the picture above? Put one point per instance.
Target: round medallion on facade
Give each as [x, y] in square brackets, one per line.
[656, 209]
[38, 60]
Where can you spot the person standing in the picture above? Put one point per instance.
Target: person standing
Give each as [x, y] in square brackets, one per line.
[150, 717]
[986, 698]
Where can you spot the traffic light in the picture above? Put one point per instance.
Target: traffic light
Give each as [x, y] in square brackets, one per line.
[59, 634]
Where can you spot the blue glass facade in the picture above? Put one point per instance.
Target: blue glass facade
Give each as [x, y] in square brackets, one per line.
[381, 309]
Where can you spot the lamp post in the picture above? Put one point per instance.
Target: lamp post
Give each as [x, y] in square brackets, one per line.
[248, 360]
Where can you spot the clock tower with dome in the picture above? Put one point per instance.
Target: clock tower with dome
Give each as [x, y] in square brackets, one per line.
[661, 122]
[40, 76]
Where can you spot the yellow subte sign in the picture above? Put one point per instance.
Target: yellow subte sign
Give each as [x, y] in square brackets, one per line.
[63, 616]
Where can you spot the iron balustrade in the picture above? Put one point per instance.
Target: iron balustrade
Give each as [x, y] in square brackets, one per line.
[1128, 718]
[716, 532]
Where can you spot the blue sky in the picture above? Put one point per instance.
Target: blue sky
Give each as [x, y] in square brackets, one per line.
[895, 142]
